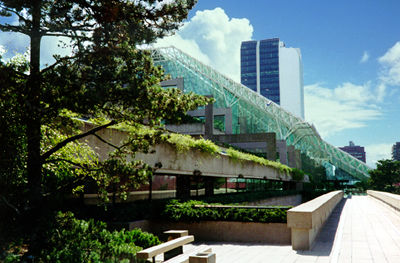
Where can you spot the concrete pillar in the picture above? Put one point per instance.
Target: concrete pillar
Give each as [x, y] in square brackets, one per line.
[243, 125]
[183, 186]
[297, 155]
[291, 156]
[271, 147]
[209, 115]
[228, 121]
[209, 185]
[281, 148]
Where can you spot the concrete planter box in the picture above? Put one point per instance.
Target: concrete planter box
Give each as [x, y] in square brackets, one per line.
[220, 165]
[223, 231]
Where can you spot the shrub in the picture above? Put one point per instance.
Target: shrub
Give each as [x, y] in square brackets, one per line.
[192, 211]
[73, 240]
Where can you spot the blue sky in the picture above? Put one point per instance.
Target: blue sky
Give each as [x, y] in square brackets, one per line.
[350, 51]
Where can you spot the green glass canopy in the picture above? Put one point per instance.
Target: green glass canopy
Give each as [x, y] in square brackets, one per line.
[259, 113]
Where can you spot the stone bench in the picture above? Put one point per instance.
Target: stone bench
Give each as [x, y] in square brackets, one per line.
[306, 220]
[173, 250]
[152, 252]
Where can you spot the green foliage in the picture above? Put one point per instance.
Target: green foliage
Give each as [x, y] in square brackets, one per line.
[236, 155]
[185, 142]
[44, 158]
[238, 198]
[188, 211]
[297, 174]
[386, 176]
[72, 240]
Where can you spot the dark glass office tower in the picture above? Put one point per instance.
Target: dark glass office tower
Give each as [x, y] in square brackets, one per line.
[269, 69]
[262, 77]
[248, 65]
[275, 72]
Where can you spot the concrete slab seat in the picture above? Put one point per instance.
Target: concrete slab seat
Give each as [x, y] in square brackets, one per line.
[173, 250]
[306, 220]
[392, 200]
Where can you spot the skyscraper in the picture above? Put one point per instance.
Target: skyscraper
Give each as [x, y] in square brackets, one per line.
[275, 72]
[355, 151]
[396, 151]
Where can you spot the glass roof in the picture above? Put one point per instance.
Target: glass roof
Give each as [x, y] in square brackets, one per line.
[259, 113]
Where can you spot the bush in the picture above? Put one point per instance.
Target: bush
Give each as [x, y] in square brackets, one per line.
[188, 211]
[73, 240]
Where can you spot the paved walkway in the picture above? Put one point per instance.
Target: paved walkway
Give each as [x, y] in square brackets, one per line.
[361, 229]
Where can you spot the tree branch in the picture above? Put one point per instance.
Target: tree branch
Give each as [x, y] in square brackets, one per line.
[10, 205]
[74, 138]
[106, 142]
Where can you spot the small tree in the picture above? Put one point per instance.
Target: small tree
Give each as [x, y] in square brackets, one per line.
[106, 77]
[386, 176]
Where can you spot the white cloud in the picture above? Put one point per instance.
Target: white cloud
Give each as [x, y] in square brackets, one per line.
[348, 106]
[376, 152]
[391, 66]
[365, 57]
[2, 50]
[214, 38]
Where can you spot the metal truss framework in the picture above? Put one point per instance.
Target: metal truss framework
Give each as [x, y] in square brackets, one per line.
[259, 113]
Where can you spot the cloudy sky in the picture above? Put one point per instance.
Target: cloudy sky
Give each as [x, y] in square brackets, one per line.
[350, 51]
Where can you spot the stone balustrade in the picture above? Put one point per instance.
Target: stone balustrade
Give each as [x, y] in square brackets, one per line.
[392, 200]
[306, 220]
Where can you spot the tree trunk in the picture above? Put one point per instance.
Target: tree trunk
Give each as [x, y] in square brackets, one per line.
[33, 118]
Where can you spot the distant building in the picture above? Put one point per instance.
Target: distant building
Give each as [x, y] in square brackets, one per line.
[274, 71]
[396, 151]
[354, 150]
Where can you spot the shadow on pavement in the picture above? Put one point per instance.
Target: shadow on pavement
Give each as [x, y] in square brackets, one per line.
[323, 244]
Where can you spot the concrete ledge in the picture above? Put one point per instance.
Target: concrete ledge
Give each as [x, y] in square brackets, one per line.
[392, 200]
[268, 233]
[306, 220]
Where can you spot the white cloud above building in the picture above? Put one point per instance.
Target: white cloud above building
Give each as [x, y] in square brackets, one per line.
[347, 106]
[214, 38]
[390, 62]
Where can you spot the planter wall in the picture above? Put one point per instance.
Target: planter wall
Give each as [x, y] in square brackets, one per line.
[223, 231]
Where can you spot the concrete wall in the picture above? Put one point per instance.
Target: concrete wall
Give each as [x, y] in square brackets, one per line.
[392, 200]
[306, 220]
[184, 163]
[292, 200]
[222, 231]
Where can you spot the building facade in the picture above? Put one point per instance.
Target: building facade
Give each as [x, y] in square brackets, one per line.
[274, 71]
[396, 151]
[355, 151]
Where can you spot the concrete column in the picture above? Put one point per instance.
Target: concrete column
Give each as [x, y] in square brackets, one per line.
[209, 115]
[183, 186]
[297, 155]
[228, 121]
[243, 125]
[209, 185]
[281, 148]
[291, 156]
[271, 147]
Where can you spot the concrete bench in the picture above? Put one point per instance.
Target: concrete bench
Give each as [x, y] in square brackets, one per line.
[184, 258]
[152, 252]
[306, 220]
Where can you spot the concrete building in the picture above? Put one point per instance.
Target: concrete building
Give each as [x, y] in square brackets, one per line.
[355, 151]
[274, 71]
[396, 151]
